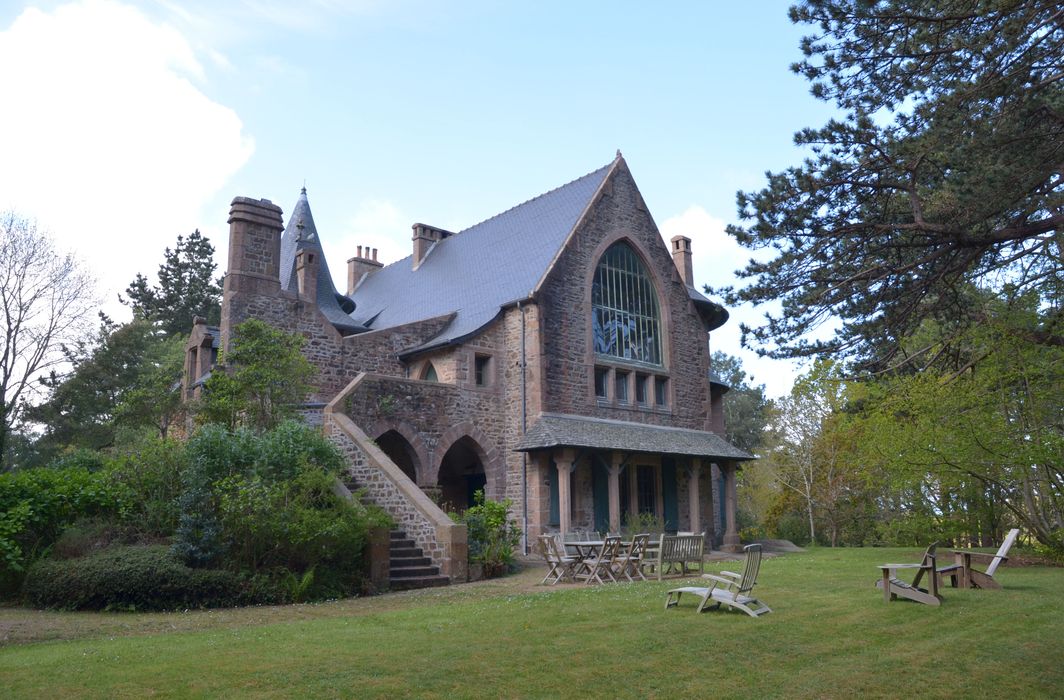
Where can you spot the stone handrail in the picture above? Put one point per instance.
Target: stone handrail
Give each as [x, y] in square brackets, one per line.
[439, 537]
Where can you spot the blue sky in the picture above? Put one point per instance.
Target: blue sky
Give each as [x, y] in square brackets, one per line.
[137, 121]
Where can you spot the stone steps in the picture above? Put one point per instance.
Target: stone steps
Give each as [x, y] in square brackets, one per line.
[408, 568]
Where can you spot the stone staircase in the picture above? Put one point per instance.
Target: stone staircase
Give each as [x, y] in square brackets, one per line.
[409, 568]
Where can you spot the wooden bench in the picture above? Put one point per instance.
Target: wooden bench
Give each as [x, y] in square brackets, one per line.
[674, 553]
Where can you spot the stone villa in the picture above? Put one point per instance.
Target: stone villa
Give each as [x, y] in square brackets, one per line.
[556, 354]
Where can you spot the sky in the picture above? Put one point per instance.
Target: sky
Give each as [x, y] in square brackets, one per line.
[127, 123]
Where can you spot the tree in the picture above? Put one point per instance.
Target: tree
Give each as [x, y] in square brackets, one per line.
[122, 376]
[45, 299]
[947, 169]
[809, 444]
[187, 287]
[744, 405]
[260, 381]
[989, 438]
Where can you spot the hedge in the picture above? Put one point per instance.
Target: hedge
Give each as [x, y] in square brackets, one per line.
[138, 578]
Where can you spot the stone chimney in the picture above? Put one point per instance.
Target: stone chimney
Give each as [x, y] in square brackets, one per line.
[255, 227]
[424, 238]
[360, 267]
[681, 255]
[307, 275]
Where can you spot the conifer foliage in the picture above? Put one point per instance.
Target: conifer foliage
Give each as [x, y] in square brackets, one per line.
[187, 287]
[945, 170]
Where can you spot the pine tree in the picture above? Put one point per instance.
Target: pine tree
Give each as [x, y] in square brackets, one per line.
[947, 170]
[187, 287]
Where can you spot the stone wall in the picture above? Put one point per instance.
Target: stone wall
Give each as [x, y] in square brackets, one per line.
[565, 305]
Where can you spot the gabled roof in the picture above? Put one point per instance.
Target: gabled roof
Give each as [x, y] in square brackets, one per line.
[301, 233]
[476, 272]
[559, 430]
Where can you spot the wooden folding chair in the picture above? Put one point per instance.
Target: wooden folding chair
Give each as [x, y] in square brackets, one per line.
[599, 567]
[630, 561]
[560, 566]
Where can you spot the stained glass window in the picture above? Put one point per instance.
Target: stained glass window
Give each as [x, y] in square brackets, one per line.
[624, 307]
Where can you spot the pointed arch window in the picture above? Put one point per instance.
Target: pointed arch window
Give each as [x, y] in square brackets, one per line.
[625, 314]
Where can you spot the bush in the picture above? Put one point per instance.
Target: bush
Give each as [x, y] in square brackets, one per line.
[492, 537]
[638, 523]
[290, 445]
[267, 504]
[152, 471]
[90, 535]
[138, 578]
[36, 505]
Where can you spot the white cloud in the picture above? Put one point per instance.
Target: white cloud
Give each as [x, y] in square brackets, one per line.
[106, 138]
[376, 223]
[715, 257]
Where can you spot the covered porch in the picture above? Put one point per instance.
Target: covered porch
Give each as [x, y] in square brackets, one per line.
[600, 475]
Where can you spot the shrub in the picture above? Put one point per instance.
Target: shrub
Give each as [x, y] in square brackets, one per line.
[36, 505]
[214, 453]
[492, 537]
[638, 523]
[152, 470]
[137, 578]
[90, 535]
[291, 444]
[272, 508]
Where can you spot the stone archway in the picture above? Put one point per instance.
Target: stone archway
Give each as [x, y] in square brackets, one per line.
[406, 445]
[461, 474]
[400, 451]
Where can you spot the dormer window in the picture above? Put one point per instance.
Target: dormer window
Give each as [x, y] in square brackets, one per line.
[624, 306]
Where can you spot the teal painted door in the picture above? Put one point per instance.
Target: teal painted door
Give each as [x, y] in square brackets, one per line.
[668, 494]
[555, 510]
[600, 491]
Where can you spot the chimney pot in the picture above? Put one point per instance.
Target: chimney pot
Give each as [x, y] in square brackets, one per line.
[374, 255]
[359, 253]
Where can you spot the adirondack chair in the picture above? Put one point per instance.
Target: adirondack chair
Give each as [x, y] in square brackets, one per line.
[893, 587]
[962, 574]
[599, 567]
[729, 588]
[560, 566]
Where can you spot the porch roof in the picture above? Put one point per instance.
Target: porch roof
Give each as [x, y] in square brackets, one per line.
[559, 430]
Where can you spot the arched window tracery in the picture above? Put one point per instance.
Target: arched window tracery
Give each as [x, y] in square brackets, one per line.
[626, 320]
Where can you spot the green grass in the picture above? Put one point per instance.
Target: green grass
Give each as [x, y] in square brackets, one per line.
[830, 635]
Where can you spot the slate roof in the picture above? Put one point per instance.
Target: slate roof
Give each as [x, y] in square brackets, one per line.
[479, 270]
[558, 430]
[291, 243]
[216, 336]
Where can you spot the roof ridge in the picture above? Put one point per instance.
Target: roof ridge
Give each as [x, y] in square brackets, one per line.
[538, 196]
[516, 206]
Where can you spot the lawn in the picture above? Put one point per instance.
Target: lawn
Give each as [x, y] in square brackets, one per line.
[830, 635]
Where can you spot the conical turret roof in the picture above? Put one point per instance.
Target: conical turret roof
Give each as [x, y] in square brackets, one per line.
[300, 234]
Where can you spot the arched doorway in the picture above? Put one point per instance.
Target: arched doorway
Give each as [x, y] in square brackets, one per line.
[393, 444]
[461, 474]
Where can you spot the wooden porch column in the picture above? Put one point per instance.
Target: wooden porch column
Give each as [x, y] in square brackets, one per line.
[564, 461]
[694, 471]
[616, 463]
[731, 535]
